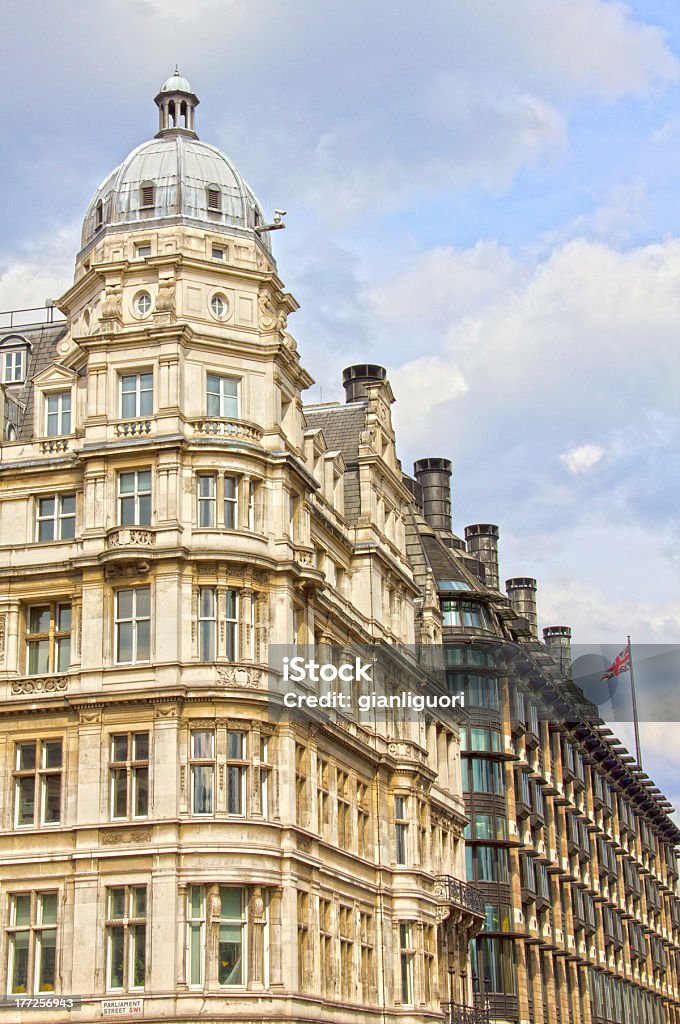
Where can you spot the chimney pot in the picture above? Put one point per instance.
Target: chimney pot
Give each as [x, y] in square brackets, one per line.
[434, 478]
[356, 378]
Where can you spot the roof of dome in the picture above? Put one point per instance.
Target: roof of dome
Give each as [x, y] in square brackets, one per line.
[183, 170]
[176, 83]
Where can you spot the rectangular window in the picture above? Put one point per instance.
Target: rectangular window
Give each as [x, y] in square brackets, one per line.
[207, 623]
[326, 942]
[136, 395]
[126, 938]
[37, 783]
[32, 942]
[343, 811]
[207, 501]
[232, 937]
[222, 396]
[143, 249]
[252, 489]
[133, 625]
[363, 820]
[429, 951]
[231, 624]
[407, 954]
[217, 253]
[13, 367]
[134, 498]
[265, 776]
[367, 959]
[236, 772]
[195, 935]
[230, 502]
[58, 414]
[401, 829]
[305, 964]
[56, 517]
[301, 784]
[202, 771]
[48, 639]
[129, 773]
[346, 923]
[322, 793]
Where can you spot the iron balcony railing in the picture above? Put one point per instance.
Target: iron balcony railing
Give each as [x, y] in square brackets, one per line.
[460, 894]
[458, 1014]
[10, 319]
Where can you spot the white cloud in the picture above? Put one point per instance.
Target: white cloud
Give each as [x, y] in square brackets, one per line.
[583, 458]
[40, 271]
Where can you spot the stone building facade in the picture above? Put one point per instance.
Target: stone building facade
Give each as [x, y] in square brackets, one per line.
[168, 516]
[568, 839]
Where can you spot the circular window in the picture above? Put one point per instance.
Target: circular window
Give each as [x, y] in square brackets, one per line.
[219, 306]
[143, 303]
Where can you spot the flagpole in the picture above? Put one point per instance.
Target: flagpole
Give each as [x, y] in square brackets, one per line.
[636, 724]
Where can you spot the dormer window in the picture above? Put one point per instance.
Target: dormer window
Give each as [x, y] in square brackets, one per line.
[98, 215]
[214, 198]
[58, 414]
[13, 359]
[14, 367]
[147, 195]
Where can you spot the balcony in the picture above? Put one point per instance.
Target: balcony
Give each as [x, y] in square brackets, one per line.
[459, 894]
[220, 427]
[459, 1014]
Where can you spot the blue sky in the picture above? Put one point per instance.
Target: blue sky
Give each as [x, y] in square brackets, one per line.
[483, 197]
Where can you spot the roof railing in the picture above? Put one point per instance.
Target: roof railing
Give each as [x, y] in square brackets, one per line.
[33, 316]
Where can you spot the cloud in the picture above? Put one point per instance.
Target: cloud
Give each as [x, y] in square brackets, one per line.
[582, 459]
[40, 271]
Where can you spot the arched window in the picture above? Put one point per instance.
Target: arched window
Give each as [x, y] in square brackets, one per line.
[214, 194]
[11, 432]
[147, 195]
[98, 215]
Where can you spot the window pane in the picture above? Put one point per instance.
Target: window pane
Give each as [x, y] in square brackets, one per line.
[63, 659]
[128, 404]
[119, 791]
[207, 640]
[143, 640]
[46, 507]
[196, 901]
[236, 742]
[48, 908]
[234, 790]
[51, 799]
[138, 955]
[141, 746]
[124, 642]
[39, 620]
[26, 757]
[144, 480]
[51, 752]
[206, 602]
[19, 955]
[145, 510]
[26, 800]
[124, 604]
[196, 954]
[232, 903]
[202, 743]
[38, 657]
[231, 604]
[22, 909]
[116, 957]
[141, 781]
[119, 747]
[143, 602]
[116, 903]
[230, 955]
[202, 789]
[138, 896]
[47, 956]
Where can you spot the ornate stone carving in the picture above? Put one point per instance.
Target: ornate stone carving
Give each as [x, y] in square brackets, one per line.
[115, 837]
[46, 684]
[240, 675]
[112, 306]
[3, 633]
[130, 536]
[267, 312]
[165, 300]
[132, 567]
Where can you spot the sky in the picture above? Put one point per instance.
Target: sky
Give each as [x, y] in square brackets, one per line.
[481, 197]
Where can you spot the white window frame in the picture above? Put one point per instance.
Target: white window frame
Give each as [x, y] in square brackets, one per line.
[57, 517]
[14, 366]
[206, 501]
[64, 416]
[137, 493]
[134, 619]
[127, 923]
[223, 399]
[200, 762]
[139, 393]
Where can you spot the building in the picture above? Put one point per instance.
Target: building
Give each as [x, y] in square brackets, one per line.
[173, 520]
[568, 839]
[169, 515]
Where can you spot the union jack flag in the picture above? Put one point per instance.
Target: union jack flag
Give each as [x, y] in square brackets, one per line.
[621, 663]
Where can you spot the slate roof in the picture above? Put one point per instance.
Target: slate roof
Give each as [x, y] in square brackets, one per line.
[342, 426]
[43, 340]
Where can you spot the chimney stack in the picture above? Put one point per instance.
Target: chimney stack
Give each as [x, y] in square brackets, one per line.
[482, 543]
[434, 478]
[355, 379]
[522, 593]
[558, 641]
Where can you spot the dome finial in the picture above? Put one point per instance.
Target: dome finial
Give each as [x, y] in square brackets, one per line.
[176, 104]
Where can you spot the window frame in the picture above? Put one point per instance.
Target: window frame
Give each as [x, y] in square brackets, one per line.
[198, 762]
[138, 394]
[137, 495]
[134, 620]
[41, 771]
[10, 365]
[57, 518]
[128, 924]
[35, 928]
[63, 413]
[222, 398]
[132, 769]
[55, 636]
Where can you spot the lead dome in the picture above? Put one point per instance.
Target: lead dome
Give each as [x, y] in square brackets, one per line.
[175, 178]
